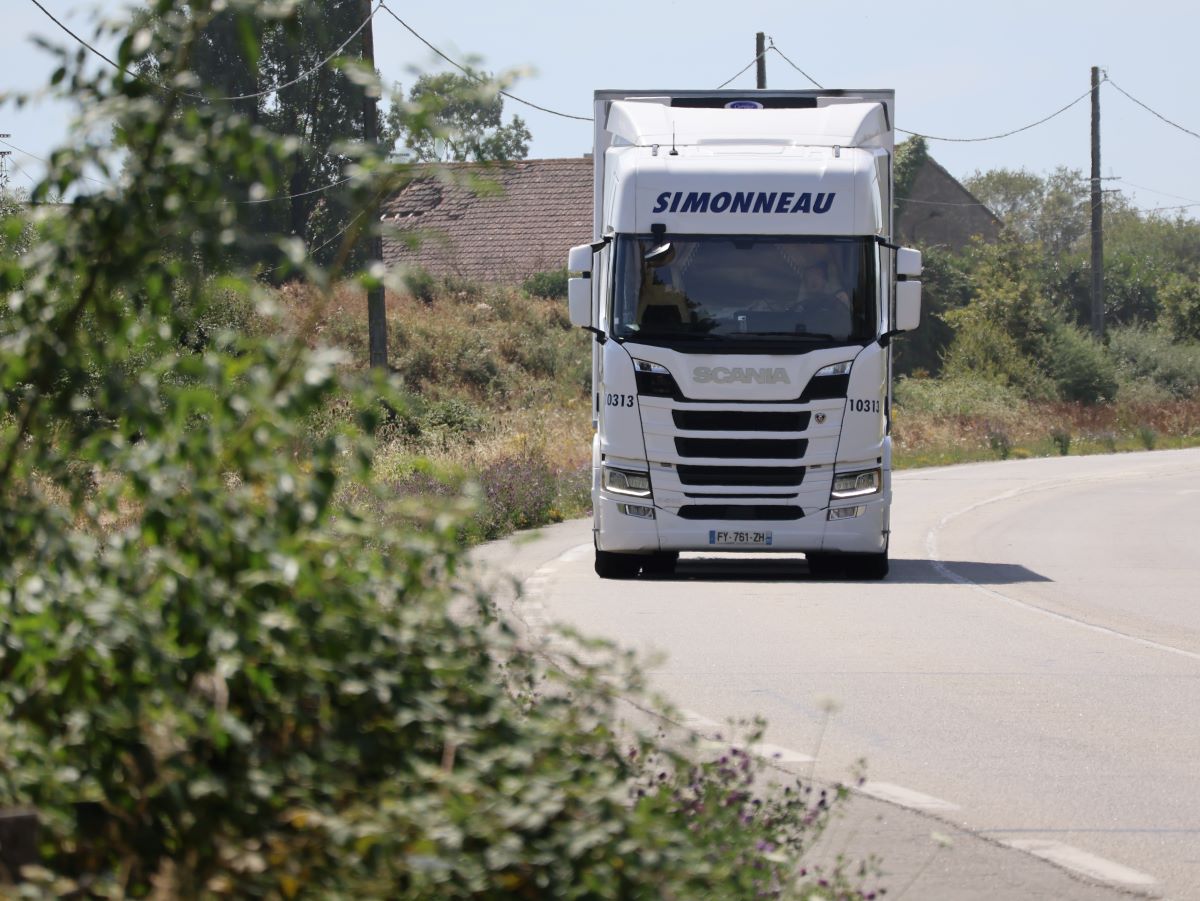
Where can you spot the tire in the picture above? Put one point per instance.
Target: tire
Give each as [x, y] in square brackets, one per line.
[661, 563]
[866, 567]
[611, 565]
[824, 566]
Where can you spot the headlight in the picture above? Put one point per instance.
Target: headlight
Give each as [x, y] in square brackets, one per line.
[856, 484]
[842, 368]
[621, 481]
[654, 380]
[637, 510]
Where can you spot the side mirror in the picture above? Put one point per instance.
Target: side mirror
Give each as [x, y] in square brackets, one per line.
[579, 299]
[580, 258]
[908, 305]
[908, 262]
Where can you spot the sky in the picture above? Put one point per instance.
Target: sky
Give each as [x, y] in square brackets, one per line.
[960, 69]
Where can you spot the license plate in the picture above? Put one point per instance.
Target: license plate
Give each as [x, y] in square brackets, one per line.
[740, 538]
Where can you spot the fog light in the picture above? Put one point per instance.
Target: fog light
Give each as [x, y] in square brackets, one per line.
[622, 481]
[856, 484]
[845, 513]
[636, 510]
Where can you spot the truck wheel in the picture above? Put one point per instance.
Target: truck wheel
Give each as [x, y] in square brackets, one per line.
[611, 565]
[661, 563]
[866, 567]
[824, 566]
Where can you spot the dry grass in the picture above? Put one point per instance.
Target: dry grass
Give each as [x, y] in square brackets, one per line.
[925, 438]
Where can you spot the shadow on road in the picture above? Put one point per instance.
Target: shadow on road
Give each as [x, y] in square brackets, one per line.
[795, 569]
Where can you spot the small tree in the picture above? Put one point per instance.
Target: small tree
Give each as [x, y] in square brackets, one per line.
[456, 118]
[1180, 298]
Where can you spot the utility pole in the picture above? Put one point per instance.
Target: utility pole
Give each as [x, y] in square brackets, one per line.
[1097, 215]
[4, 155]
[376, 308]
[760, 57]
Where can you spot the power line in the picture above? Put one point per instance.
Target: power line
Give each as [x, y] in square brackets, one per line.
[310, 72]
[1191, 200]
[1149, 110]
[1006, 134]
[792, 64]
[52, 18]
[328, 187]
[748, 65]
[264, 93]
[468, 72]
[34, 156]
[942, 202]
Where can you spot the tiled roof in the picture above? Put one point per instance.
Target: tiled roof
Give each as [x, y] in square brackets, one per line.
[523, 219]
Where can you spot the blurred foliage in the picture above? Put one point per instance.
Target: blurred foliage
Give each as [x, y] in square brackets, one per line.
[235, 661]
[240, 57]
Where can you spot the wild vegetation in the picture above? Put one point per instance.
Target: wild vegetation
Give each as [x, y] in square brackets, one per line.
[236, 653]
[1005, 362]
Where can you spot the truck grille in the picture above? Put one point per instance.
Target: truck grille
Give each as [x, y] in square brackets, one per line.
[741, 476]
[739, 421]
[760, 512]
[742, 448]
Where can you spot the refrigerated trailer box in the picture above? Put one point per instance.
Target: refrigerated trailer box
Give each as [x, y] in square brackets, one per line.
[743, 290]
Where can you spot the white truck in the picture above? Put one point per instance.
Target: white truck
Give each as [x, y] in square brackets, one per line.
[743, 290]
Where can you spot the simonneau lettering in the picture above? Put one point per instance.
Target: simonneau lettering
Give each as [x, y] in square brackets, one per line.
[763, 202]
[743, 202]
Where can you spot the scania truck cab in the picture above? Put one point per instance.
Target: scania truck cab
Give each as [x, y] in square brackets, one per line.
[743, 290]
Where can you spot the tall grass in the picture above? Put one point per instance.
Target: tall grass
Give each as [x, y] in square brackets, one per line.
[498, 398]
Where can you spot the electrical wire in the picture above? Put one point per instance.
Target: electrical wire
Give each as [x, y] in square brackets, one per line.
[310, 72]
[1149, 110]
[29, 177]
[941, 202]
[328, 187]
[1190, 200]
[1059, 112]
[748, 65]
[26, 152]
[52, 18]
[474, 75]
[34, 156]
[264, 93]
[792, 64]
[317, 250]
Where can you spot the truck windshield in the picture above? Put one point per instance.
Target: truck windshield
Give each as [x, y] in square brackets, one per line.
[746, 288]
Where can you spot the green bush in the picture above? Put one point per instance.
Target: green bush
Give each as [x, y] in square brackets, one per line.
[420, 284]
[552, 284]
[1081, 369]
[235, 663]
[1180, 298]
[1152, 357]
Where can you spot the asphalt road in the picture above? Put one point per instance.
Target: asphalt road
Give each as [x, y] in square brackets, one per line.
[1027, 679]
